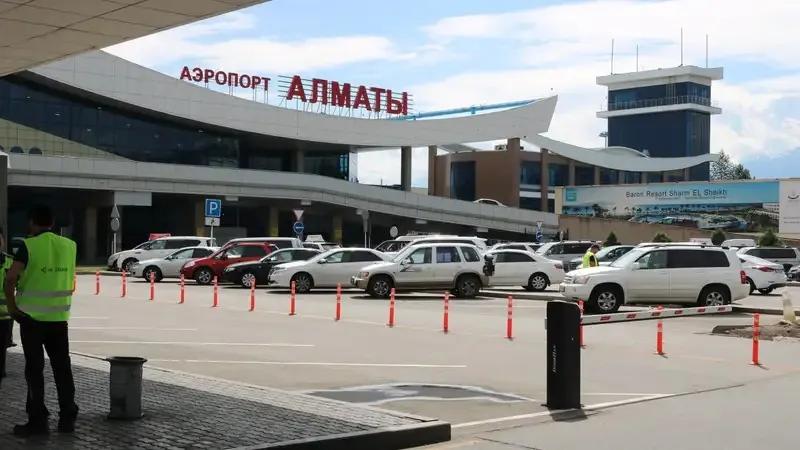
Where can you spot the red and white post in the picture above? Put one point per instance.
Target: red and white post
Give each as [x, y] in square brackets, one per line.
[124, 285]
[510, 319]
[338, 316]
[391, 308]
[183, 291]
[660, 335]
[97, 283]
[446, 316]
[215, 302]
[152, 286]
[756, 320]
[292, 300]
[580, 327]
[253, 296]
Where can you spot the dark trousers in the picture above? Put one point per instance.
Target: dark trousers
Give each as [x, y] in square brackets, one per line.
[54, 338]
[5, 334]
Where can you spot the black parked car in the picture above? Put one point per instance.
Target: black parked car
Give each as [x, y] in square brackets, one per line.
[246, 272]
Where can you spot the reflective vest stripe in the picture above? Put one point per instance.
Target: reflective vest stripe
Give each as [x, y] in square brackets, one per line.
[45, 309]
[45, 294]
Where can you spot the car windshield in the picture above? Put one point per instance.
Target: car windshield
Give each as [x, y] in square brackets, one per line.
[608, 252]
[629, 257]
[543, 249]
[142, 245]
[391, 246]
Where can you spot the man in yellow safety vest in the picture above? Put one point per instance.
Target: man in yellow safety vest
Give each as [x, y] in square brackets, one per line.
[5, 319]
[589, 258]
[42, 273]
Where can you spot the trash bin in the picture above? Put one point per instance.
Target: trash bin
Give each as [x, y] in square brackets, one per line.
[125, 387]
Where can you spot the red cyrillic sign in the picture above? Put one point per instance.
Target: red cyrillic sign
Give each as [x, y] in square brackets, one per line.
[346, 95]
[224, 78]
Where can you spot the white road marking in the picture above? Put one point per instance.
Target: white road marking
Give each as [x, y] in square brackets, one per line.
[88, 318]
[133, 328]
[313, 363]
[235, 344]
[547, 413]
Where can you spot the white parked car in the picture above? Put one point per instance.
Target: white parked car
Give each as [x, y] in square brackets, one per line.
[157, 248]
[521, 268]
[705, 276]
[488, 201]
[170, 266]
[787, 257]
[458, 268]
[327, 269]
[526, 246]
[394, 247]
[763, 275]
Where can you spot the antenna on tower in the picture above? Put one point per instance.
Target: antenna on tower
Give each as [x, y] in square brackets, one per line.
[706, 51]
[681, 46]
[637, 57]
[612, 56]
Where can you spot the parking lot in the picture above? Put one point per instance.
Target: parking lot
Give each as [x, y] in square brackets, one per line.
[472, 376]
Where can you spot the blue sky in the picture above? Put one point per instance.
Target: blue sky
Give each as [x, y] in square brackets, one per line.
[450, 53]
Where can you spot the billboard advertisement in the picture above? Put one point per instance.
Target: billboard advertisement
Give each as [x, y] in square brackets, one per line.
[790, 207]
[734, 206]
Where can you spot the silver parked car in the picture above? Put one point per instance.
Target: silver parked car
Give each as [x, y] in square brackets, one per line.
[169, 266]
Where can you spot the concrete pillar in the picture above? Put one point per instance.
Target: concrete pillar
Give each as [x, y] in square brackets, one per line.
[200, 218]
[4, 195]
[686, 174]
[515, 160]
[405, 168]
[644, 178]
[337, 228]
[545, 187]
[444, 183]
[432, 169]
[272, 224]
[621, 177]
[596, 175]
[298, 160]
[571, 179]
[89, 238]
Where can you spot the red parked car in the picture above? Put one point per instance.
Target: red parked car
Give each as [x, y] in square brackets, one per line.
[204, 270]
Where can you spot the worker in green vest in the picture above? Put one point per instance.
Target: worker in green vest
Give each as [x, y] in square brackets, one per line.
[42, 273]
[589, 258]
[5, 319]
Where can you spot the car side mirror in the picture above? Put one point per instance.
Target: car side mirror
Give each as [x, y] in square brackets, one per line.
[322, 261]
[223, 256]
[637, 266]
[405, 262]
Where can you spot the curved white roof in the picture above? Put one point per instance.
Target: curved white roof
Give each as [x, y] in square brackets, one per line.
[620, 158]
[115, 78]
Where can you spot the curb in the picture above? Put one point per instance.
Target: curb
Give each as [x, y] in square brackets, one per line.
[521, 295]
[757, 310]
[432, 432]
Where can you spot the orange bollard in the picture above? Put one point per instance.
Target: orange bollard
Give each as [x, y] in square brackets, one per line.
[292, 301]
[97, 283]
[446, 317]
[660, 335]
[124, 285]
[756, 319]
[510, 319]
[152, 286]
[253, 296]
[183, 285]
[338, 301]
[216, 293]
[580, 328]
[391, 308]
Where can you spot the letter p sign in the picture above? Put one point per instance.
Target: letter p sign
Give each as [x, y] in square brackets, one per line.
[213, 207]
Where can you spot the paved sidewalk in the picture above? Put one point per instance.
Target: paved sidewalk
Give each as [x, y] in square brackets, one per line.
[769, 304]
[189, 411]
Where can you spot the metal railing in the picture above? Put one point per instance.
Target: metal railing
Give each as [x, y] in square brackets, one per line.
[662, 101]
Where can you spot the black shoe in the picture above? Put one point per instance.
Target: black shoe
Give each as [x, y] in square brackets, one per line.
[66, 425]
[31, 429]
[11, 344]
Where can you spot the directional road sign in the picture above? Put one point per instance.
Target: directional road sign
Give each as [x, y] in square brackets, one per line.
[298, 228]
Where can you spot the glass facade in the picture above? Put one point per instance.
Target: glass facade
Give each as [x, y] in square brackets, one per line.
[660, 95]
[609, 176]
[146, 137]
[558, 174]
[530, 173]
[584, 175]
[462, 180]
[631, 177]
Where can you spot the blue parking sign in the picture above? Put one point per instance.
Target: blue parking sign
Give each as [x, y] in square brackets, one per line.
[213, 207]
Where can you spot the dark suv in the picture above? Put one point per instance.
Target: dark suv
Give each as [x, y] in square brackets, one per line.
[245, 273]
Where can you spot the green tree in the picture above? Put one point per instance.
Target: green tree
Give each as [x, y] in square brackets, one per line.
[768, 239]
[661, 237]
[718, 237]
[726, 169]
[611, 239]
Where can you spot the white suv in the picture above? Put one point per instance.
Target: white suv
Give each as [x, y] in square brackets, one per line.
[705, 276]
[457, 267]
[157, 248]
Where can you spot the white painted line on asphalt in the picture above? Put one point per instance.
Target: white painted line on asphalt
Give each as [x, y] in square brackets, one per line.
[133, 328]
[234, 344]
[547, 413]
[313, 363]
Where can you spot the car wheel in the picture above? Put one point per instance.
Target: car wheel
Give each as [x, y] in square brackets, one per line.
[302, 282]
[752, 286]
[380, 286]
[766, 291]
[538, 282]
[468, 286]
[605, 300]
[714, 296]
[204, 276]
[248, 279]
[155, 271]
[127, 265]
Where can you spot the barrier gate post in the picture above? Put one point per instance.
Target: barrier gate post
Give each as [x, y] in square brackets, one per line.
[563, 355]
